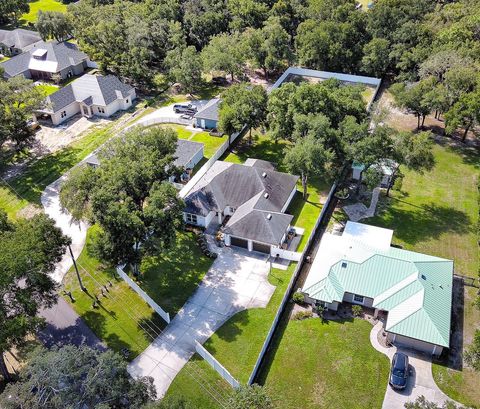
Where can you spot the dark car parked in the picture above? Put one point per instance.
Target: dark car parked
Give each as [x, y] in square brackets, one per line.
[185, 109]
[399, 371]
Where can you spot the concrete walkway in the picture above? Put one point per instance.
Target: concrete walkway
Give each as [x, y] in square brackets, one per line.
[420, 382]
[236, 281]
[76, 231]
[359, 211]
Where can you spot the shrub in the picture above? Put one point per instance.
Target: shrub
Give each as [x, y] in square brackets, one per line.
[320, 309]
[301, 315]
[298, 298]
[357, 310]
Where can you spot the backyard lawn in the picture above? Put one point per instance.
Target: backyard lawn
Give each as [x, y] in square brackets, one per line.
[26, 189]
[122, 321]
[44, 5]
[437, 213]
[331, 364]
[47, 89]
[211, 143]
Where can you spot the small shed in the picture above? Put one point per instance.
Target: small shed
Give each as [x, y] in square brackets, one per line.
[207, 117]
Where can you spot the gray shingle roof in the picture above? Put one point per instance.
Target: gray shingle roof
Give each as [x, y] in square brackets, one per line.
[185, 152]
[58, 56]
[254, 192]
[19, 38]
[90, 89]
[209, 111]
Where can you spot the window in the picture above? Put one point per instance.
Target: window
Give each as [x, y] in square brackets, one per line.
[232, 209]
[126, 101]
[358, 299]
[63, 114]
[101, 110]
[191, 218]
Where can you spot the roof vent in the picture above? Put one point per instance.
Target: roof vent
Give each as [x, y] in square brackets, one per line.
[266, 195]
[269, 216]
[423, 277]
[264, 174]
[344, 265]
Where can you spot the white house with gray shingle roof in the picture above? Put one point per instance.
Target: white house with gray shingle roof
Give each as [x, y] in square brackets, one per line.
[43, 59]
[13, 42]
[250, 200]
[89, 95]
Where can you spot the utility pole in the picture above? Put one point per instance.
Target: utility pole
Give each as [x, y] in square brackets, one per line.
[76, 270]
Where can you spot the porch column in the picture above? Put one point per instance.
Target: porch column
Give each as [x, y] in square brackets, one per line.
[227, 240]
[220, 217]
[250, 245]
[375, 314]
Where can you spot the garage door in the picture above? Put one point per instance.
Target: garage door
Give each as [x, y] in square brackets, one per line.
[235, 241]
[263, 248]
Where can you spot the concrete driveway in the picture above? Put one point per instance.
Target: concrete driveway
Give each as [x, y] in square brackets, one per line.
[167, 112]
[236, 281]
[420, 382]
[76, 231]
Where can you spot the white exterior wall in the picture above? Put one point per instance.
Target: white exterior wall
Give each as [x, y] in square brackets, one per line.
[203, 221]
[287, 203]
[197, 158]
[416, 344]
[71, 110]
[227, 211]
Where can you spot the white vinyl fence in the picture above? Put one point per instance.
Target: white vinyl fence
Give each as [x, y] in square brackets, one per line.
[134, 286]
[285, 254]
[216, 365]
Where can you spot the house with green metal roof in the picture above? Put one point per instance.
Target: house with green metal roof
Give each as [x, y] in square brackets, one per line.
[414, 290]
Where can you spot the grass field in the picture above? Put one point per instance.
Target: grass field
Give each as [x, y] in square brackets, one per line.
[437, 213]
[47, 89]
[27, 189]
[173, 276]
[44, 5]
[326, 365]
[123, 320]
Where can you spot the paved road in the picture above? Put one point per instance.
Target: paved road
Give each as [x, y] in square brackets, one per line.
[64, 326]
[236, 281]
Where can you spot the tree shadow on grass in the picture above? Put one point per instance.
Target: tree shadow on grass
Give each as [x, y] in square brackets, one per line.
[231, 329]
[414, 224]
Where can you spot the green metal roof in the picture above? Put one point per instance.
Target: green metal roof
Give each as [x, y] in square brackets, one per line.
[416, 289]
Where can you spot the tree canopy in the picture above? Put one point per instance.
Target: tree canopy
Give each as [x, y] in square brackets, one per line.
[129, 195]
[76, 377]
[29, 250]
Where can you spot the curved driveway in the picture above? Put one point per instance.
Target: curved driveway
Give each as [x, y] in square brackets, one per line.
[420, 382]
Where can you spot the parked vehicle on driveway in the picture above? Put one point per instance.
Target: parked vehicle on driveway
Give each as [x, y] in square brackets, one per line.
[185, 109]
[399, 371]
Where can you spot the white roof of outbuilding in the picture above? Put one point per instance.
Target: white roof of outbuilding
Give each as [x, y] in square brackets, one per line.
[376, 237]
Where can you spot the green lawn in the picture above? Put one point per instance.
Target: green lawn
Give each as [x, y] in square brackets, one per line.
[238, 342]
[44, 5]
[47, 89]
[172, 277]
[437, 213]
[211, 143]
[27, 188]
[123, 319]
[326, 365]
